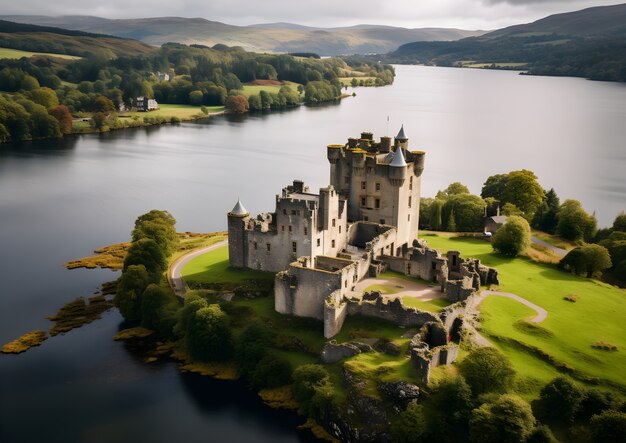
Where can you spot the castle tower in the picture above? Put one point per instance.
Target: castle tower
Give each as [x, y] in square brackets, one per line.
[380, 182]
[237, 244]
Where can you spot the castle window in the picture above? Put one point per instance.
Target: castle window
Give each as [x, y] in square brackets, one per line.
[370, 170]
[377, 203]
[282, 227]
[318, 242]
[366, 218]
[284, 212]
[334, 222]
[409, 202]
[298, 212]
[289, 228]
[340, 229]
[255, 245]
[354, 278]
[363, 185]
[332, 244]
[269, 247]
[409, 217]
[362, 201]
[293, 212]
[347, 180]
[345, 284]
[306, 230]
[294, 247]
[382, 221]
[378, 186]
[410, 183]
[434, 266]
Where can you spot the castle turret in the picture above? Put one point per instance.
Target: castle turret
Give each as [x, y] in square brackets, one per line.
[397, 168]
[237, 219]
[402, 140]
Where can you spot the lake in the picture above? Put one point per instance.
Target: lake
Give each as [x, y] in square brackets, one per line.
[59, 200]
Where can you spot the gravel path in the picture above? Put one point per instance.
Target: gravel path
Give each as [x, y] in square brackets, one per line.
[558, 251]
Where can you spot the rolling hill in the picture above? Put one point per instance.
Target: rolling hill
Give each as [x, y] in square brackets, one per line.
[271, 37]
[27, 37]
[590, 43]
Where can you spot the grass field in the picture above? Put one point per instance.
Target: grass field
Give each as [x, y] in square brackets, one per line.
[213, 268]
[347, 81]
[184, 112]
[565, 337]
[249, 90]
[17, 54]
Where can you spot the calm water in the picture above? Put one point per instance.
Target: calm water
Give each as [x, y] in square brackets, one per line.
[60, 200]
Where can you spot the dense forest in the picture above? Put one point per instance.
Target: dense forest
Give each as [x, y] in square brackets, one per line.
[41, 95]
[551, 54]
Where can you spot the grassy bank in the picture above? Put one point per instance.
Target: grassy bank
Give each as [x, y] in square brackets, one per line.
[561, 343]
[17, 54]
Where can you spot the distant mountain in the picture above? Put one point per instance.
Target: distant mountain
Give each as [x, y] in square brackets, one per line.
[590, 43]
[270, 37]
[28, 37]
[596, 21]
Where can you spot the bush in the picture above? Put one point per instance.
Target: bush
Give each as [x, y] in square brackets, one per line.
[208, 336]
[507, 420]
[560, 399]
[312, 388]
[271, 372]
[410, 425]
[158, 309]
[574, 223]
[251, 348]
[487, 370]
[130, 287]
[183, 316]
[513, 237]
[609, 426]
[542, 434]
[587, 261]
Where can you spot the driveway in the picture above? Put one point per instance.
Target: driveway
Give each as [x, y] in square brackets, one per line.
[174, 276]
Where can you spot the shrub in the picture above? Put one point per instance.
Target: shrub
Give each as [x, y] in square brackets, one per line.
[487, 370]
[507, 420]
[587, 261]
[209, 337]
[312, 388]
[560, 399]
[513, 237]
[609, 426]
[270, 372]
[571, 297]
[410, 425]
[604, 346]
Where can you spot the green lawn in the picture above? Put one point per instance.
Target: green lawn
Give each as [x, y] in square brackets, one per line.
[435, 305]
[570, 329]
[17, 54]
[184, 112]
[249, 90]
[213, 268]
[347, 81]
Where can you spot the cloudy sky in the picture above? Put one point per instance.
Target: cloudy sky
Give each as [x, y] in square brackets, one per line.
[468, 14]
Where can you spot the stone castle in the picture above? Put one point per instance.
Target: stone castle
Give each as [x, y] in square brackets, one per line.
[363, 223]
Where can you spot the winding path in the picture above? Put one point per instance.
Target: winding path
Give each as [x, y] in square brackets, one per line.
[558, 251]
[174, 276]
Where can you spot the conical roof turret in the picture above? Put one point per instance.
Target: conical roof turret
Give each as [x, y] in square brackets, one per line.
[401, 135]
[398, 160]
[239, 210]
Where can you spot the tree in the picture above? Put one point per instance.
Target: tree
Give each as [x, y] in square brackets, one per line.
[541, 434]
[160, 227]
[158, 309]
[46, 97]
[513, 237]
[208, 336]
[146, 252]
[63, 116]
[487, 370]
[609, 426]
[271, 372]
[455, 189]
[619, 224]
[616, 245]
[524, 191]
[103, 104]
[193, 303]
[311, 384]
[29, 83]
[237, 104]
[130, 287]
[99, 121]
[495, 187]
[587, 260]
[252, 347]
[436, 215]
[560, 399]
[546, 216]
[510, 209]
[507, 420]
[410, 425]
[465, 211]
[195, 97]
[574, 223]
